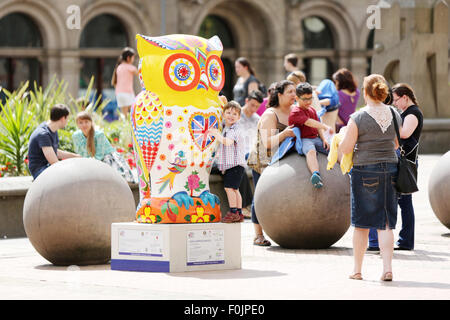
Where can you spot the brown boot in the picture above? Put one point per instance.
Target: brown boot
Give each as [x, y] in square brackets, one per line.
[231, 217]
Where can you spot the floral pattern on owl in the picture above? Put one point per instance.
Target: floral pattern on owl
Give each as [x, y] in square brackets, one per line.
[181, 77]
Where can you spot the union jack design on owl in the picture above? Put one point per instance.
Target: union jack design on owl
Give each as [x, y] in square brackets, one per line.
[181, 77]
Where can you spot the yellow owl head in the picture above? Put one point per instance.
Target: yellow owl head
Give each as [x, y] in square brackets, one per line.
[182, 69]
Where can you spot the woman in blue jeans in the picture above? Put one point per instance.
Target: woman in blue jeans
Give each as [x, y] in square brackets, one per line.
[412, 118]
[371, 136]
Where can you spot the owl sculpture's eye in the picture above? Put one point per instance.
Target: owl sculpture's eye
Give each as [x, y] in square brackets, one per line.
[181, 72]
[214, 70]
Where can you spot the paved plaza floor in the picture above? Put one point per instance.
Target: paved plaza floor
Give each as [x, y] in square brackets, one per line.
[271, 273]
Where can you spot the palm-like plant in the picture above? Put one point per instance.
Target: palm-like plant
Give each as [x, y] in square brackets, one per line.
[95, 107]
[16, 125]
[41, 100]
[24, 109]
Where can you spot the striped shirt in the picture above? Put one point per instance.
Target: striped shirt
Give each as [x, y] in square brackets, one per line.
[233, 155]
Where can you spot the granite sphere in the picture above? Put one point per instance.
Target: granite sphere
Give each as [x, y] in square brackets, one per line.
[439, 189]
[69, 208]
[295, 214]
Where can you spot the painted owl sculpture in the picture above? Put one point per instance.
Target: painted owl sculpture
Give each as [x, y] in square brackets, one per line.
[181, 77]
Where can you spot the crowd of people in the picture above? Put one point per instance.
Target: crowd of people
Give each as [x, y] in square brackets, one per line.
[368, 137]
[256, 124]
[44, 149]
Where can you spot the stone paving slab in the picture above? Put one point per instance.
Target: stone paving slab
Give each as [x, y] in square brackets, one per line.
[270, 273]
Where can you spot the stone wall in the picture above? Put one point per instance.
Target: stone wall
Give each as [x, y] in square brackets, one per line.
[264, 30]
[14, 189]
[414, 50]
[411, 45]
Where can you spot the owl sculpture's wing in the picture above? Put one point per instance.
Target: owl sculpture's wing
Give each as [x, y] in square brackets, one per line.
[147, 121]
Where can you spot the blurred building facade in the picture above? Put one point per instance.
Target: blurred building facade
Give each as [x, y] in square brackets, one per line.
[75, 39]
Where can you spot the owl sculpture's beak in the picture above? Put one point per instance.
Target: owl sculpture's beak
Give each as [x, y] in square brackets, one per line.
[203, 83]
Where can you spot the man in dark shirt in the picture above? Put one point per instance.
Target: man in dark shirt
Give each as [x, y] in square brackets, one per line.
[43, 147]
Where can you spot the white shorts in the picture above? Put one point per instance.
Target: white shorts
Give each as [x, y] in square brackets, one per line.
[124, 99]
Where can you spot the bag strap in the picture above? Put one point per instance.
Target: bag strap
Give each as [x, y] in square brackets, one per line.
[395, 124]
[402, 152]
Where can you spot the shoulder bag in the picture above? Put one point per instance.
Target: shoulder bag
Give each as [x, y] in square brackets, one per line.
[407, 170]
[258, 158]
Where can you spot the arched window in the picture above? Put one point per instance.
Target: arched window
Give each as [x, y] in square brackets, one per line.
[319, 43]
[101, 42]
[20, 47]
[317, 34]
[104, 31]
[215, 25]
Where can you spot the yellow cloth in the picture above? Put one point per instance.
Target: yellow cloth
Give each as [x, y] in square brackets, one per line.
[347, 159]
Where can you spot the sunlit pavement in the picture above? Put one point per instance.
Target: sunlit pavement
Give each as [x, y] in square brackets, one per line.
[267, 273]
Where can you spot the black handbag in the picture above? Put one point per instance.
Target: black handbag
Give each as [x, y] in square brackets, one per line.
[407, 169]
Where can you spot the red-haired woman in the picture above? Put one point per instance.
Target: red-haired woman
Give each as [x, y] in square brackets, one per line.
[371, 136]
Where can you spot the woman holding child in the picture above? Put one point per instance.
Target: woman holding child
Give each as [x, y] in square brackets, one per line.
[371, 136]
[272, 130]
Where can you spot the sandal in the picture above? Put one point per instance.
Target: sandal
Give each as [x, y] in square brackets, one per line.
[356, 276]
[387, 276]
[316, 181]
[261, 241]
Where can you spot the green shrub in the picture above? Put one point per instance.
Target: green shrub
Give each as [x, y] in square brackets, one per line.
[17, 122]
[24, 109]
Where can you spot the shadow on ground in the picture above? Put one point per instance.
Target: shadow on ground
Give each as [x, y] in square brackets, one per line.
[420, 255]
[205, 275]
[51, 267]
[229, 274]
[339, 251]
[416, 284]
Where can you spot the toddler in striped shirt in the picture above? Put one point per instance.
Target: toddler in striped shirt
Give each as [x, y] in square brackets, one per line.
[231, 159]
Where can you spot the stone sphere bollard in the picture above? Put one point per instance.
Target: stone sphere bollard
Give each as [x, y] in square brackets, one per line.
[439, 189]
[295, 214]
[69, 208]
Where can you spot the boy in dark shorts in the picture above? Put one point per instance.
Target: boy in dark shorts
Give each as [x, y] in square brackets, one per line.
[231, 160]
[304, 117]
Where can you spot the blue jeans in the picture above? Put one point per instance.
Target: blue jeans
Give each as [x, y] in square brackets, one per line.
[406, 235]
[316, 144]
[255, 176]
[373, 196]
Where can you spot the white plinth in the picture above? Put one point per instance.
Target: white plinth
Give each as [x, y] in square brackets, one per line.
[175, 247]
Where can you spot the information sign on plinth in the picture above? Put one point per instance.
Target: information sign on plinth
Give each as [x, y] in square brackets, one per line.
[175, 247]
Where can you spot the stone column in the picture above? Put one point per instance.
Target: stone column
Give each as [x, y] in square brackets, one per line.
[70, 70]
[358, 66]
[359, 69]
[51, 67]
[441, 32]
[171, 16]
